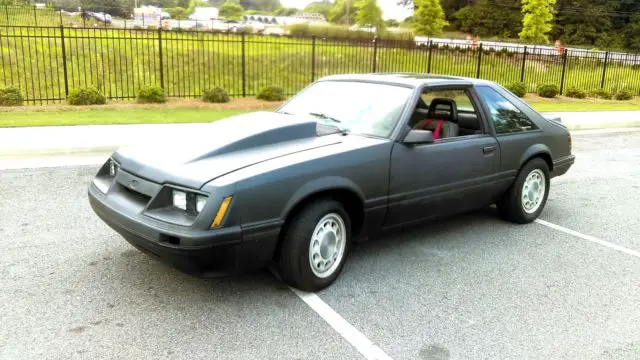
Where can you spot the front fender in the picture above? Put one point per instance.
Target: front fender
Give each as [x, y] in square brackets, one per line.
[319, 185]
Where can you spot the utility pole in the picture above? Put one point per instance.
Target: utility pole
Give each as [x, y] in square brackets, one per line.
[348, 2]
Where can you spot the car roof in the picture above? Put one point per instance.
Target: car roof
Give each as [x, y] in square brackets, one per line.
[408, 79]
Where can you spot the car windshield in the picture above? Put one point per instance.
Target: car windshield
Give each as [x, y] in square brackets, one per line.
[357, 107]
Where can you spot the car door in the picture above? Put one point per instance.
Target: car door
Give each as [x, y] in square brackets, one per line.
[447, 176]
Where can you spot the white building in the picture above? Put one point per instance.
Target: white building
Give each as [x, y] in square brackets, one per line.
[149, 14]
[204, 14]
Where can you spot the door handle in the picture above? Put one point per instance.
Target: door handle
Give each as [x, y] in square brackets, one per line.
[488, 149]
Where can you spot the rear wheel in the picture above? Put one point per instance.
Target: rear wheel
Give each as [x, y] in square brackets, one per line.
[526, 198]
[315, 246]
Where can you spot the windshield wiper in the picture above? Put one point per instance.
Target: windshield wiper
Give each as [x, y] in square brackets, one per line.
[325, 116]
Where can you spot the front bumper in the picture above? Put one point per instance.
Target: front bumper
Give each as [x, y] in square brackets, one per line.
[562, 166]
[209, 253]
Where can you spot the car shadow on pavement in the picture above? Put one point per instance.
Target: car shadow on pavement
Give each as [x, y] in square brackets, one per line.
[427, 231]
[136, 270]
[146, 274]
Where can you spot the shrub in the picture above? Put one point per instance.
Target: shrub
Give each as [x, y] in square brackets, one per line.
[11, 96]
[574, 92]
[178, 13]
[271, 93]
[331, 31]
[548, 90]
[151, 95]
[215, 95]
[402, 35]
[86, 96]
[601, 93]
[519, 89]
[624, 94]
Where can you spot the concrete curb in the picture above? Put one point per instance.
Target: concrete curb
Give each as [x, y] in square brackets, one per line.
[596, 126]
[53, 140]
[7, 154]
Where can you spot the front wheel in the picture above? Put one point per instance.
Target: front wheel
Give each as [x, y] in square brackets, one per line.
[315, 246]
[526, 198]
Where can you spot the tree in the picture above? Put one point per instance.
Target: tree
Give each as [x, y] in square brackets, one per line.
[482, 19]
[320, 7]
[369, 13]
[392, 23]
[536, 22]
[342, 12]
[193, 4]
[177, 13]
[286, 11]
[266, 5]
[633, 33]
[231, 10]
[428, 17]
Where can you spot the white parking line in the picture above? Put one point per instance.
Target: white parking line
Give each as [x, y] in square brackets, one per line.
[357, 339]
[589, 238]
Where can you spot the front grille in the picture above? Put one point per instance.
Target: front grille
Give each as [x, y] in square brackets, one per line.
[134, 195]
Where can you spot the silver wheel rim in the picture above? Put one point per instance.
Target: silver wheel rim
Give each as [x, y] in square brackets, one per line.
[327, 245]
[533, 191]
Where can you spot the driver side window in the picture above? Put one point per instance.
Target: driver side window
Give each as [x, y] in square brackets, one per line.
[448, 113]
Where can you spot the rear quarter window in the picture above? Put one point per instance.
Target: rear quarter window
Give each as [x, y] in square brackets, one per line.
[506, 116]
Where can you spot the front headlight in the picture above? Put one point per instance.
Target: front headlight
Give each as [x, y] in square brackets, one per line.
[189, 202]
[200, 202]
[105, 176]
[113, 168]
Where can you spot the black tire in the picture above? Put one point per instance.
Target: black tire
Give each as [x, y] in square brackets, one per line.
[510, 206]
[293, 259]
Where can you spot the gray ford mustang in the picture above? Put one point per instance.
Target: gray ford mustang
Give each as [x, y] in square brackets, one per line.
[347, 157]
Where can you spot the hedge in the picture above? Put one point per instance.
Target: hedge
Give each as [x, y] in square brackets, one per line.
[151, 95]
[11, 96]
[86, 96]
[216, 95]
[548, 90]
[271, 93]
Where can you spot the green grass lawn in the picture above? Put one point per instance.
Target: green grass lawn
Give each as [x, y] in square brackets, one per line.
[186, 112]
[564, 104]
[113, 116]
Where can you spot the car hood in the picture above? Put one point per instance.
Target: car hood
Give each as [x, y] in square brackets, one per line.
[197, 155]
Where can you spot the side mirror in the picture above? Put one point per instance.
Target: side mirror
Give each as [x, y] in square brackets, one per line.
[416, 137]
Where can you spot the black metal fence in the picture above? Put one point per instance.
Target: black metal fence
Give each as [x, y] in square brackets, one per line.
[47, 62]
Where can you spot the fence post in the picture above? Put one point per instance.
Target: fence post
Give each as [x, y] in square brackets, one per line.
[35, 15]
[375, 53]
[161, 58]
[313, 58]
[564, 70]
[524, 62]
[479, 60]
[429, 57]
[244, 67]
[604, 69]
[6, 10]
[64, 61]
[61, 22]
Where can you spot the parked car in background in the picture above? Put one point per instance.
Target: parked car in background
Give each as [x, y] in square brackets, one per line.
[228, 26]
[274, 30]
[348, 157]
[256, 26]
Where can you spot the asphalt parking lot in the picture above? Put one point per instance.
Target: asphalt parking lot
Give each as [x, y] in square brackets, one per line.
[473, 287]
